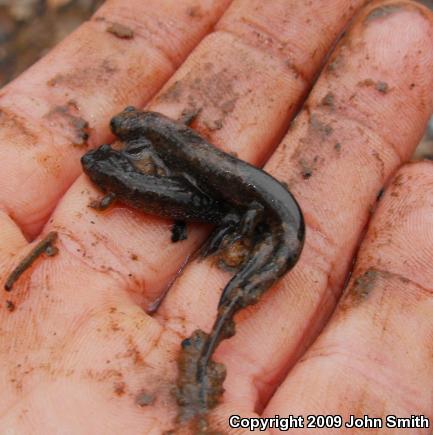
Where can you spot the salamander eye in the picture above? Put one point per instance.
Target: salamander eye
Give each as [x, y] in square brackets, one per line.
[138, 149]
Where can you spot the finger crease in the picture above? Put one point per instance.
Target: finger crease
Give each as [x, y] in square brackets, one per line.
[367, 128]
[297, 73]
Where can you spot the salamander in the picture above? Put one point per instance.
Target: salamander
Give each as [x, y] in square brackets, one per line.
[166, 168]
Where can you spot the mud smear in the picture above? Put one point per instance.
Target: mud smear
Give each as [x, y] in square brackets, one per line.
[364, 284]
[193, 408]
[45, 246]
[16, 126]
[380, 86]
[83, 79]
[310, 152]
[74, 127]
[328, 100]
[209, 88]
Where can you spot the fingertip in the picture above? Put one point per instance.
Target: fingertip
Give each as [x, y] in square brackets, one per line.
[400, 236]
[382, 66]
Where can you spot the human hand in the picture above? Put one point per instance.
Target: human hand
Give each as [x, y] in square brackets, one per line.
[80, 355]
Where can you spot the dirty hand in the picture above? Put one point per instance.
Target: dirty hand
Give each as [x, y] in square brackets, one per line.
[79, 354]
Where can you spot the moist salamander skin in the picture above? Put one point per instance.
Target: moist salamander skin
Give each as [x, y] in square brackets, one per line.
[168, 169]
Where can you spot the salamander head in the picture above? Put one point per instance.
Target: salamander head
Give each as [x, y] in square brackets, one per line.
[131, 123]
[104, 165]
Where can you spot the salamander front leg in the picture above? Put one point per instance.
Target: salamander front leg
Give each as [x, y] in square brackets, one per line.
[188, 116]
[179, 231]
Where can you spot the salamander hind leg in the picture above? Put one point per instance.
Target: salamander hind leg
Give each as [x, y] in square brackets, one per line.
[228, 226]
[251, 219]
[238, 244]
[254, 277]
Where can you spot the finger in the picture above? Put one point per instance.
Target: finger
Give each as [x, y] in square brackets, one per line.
[335, 159]
[373, 358]
[61, 105]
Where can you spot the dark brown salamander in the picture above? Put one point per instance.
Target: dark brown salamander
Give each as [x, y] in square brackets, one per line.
[168, 169]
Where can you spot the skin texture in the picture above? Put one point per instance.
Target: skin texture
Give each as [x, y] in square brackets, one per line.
[80, 355]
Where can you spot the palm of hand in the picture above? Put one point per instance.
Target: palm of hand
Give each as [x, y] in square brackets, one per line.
[80, 355]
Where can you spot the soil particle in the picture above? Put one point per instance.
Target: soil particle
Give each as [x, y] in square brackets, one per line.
[102, 204]
[297, 72]
[380, 194]
[364, 284]
[379, 85]
[134, 352]
[398, 180]
[382, 87]
[10, 306]
[104, 375]
[328, 100]
[306, 169]
[144, 398]
[319, 126]
[335, 63]
[228, 106]
[173, 93]
[121, 31]
[119, 389]
[380, 162]
[189, 115]
[213, 125]
[17, 126]
[194, 12]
